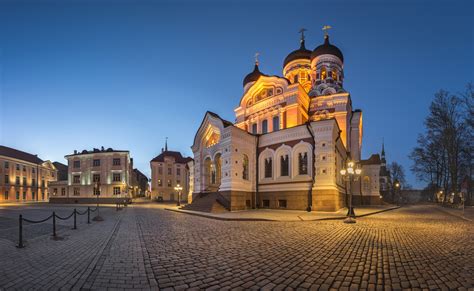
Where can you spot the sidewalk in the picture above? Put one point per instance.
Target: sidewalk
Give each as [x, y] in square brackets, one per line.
[285, 215]
[467, 214]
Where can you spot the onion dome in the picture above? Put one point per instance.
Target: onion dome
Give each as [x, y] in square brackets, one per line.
[253, 76]
[327, 49]
[300, 54]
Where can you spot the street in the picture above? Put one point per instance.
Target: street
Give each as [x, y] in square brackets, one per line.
[146, 247]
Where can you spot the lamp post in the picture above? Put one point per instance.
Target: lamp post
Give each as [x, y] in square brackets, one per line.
[97, 217]
[178, 188]
[397, 191]
[350, 174]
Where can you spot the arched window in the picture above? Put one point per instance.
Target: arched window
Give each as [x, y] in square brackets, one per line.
[334, 74]
[295, 79]
[303, 163]
[268, 168]
[245, 168]
[265, 126]
[284, 166]
[276, 123]
[323, 74]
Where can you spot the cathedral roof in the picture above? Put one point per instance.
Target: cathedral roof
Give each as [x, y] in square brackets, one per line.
[327, 49]
[299, 54]
[253, 76]
[373, 160]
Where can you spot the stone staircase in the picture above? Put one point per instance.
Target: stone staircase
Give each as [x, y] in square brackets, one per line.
[206, 202]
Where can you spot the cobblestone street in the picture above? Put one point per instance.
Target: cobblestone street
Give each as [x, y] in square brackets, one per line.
[146, 247]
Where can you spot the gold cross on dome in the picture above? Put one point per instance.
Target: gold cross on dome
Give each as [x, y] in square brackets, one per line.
[302, 33]
[326, 28]
[256, 57]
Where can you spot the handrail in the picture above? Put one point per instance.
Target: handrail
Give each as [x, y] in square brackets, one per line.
[223, 201]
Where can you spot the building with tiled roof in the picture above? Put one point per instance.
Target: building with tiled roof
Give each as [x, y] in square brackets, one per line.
[24, 176]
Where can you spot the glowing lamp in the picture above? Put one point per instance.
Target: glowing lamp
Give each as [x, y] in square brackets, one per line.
[343, 172]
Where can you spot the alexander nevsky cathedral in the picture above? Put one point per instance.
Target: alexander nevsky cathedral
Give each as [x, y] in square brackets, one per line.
[291, 137]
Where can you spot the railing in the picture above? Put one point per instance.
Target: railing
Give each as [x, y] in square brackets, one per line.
[223, 201]
[52, 216]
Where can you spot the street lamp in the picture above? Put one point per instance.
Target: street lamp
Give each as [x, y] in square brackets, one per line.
[350, 174]
[97, 193]
[397, 191]
[178, 188]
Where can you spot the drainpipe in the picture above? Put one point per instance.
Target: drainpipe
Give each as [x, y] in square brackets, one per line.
[256, 170]
[313, 173]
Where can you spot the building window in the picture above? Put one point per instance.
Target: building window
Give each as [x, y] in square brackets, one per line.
[55, 191]
[295, 79]
[24, 181]
[77, 191]
[265, 126]
[284, 166]
[17, 167]
[24, 168]
[63, 191]
[276, 123]
[33, 195]
[160, 170]
[178, 182]
[33, 170]
[96, 178]
[303, 163]
[42, 183]
[254, 128]
[7, 179]
[268, 168]
[282, 203]
[169, 171]
[17, 181]
[323, 74]
[96, 191]
[178, 171]
[265, 203]
[33, 182]
[160, 183]
[76, 164]
[169, 183]
[76, 179]
[366, 184]
[116, 162]
[24, 195]
[116, 190]
[334, 75]
[17, 195]
[96, 163]
[7, 165]
[117, 177]
[5, 195]
[245, 166]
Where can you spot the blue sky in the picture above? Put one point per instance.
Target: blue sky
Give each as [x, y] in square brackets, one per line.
[126, 74]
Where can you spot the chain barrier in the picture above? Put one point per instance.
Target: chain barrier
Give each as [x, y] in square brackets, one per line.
[53, 216]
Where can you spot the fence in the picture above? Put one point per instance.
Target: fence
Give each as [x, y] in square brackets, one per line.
[53, 216]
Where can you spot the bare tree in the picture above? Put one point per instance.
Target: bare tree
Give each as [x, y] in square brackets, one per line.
[398, 173]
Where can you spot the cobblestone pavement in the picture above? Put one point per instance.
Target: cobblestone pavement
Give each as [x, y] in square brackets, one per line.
[143, 247]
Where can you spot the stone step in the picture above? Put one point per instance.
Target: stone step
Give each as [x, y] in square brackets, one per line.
[206, 203]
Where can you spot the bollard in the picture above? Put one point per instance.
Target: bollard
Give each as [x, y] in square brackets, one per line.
[88, 215]
[75, 226]
[20, 237]
[54, 224]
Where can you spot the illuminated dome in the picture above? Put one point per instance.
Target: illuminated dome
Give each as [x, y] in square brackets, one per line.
[327, 49]
[300, 54]
[253, 76]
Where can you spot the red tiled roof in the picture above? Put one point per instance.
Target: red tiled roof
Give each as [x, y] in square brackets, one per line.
[16, 154]
[373, 160]
[176, 155]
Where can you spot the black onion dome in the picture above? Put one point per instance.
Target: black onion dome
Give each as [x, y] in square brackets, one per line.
[253, 76]
[299, 54]
[327, 49]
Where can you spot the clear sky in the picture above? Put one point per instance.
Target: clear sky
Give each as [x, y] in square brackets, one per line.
[127, 74]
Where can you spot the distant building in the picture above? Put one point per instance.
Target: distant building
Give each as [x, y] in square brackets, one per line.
[24, 176]
[140, 185]
[169, 169]
[59, 187]
[107, 172]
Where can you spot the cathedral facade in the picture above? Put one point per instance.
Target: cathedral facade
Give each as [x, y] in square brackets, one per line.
[291, 137]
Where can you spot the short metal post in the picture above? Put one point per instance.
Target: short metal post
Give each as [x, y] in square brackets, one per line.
[20, 237]
[88, 215]
[54, 224]
[75, 225]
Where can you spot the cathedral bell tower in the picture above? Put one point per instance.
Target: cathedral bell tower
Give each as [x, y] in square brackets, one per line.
[327, 68]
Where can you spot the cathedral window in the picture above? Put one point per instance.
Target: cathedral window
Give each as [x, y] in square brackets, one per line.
[245, 170]
[295, 79]
[334, 75]
[303, 163]
[323, 74]
[265, 126]
[254, 128]
[284, 166]
[276, 123]
[268, 168]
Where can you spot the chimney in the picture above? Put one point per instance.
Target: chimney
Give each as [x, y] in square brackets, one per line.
[162, 150]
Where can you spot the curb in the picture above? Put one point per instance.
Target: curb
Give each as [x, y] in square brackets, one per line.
[452, 214]
[266, 219]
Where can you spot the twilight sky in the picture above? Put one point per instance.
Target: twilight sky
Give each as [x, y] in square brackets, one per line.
[126, 74]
